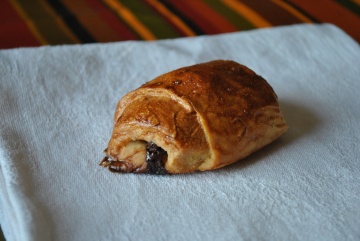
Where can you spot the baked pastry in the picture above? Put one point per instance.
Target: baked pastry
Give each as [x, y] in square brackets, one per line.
[195, 118]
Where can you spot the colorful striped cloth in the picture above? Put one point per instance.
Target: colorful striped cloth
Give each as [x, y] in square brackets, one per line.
[53, 22]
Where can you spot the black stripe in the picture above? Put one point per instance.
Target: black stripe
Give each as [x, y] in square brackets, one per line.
[71, 22]
[187, 21]
[349, 5]
[302, 11]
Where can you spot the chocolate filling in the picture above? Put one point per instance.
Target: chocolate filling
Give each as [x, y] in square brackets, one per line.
[155, 159]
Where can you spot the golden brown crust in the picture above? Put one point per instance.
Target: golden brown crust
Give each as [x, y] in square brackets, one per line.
[205, 116]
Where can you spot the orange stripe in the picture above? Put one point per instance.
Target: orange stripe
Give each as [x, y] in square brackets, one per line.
[292, 10]
[248, 13]
[29, 23]
[175, 20]
[130, 19]
[60, 22]
[91, 20]
[334, 14]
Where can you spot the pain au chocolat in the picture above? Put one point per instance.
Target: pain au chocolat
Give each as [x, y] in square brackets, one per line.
[195, 118]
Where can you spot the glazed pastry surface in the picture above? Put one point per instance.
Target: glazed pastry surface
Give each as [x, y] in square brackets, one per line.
[195, 118]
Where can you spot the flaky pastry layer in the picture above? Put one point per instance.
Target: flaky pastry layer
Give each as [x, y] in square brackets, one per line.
[203, 117]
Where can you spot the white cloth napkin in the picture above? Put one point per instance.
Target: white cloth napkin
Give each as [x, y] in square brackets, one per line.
[57, 106]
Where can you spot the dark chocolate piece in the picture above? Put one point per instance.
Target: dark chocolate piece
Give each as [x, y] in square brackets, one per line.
[155, 159]
[155, 162]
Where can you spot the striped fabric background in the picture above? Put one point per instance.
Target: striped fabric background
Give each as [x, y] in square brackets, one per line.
[52, 22]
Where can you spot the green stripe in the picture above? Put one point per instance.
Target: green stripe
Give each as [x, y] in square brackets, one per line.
[44, 22]
[151, 19]
[236, 19]
[350, 5]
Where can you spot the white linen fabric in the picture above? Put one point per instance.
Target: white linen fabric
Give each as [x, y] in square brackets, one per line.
[57, 105]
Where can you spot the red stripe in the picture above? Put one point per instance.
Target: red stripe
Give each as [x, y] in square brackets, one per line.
[272, 12]
[206, 18]
[110, 18]
[331, 12]
[13, 30]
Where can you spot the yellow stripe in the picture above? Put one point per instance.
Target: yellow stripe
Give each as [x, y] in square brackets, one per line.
[29, 23]
[131, 19]
[248, 13]
[60, 22]
[356, 1]
[292, 10]
[173, 18]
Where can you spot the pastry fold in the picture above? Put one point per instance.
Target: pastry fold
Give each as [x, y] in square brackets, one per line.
[195, 118]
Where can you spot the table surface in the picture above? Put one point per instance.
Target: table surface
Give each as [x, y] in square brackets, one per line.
[57, 106]
[37, 23]
[26, 23]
